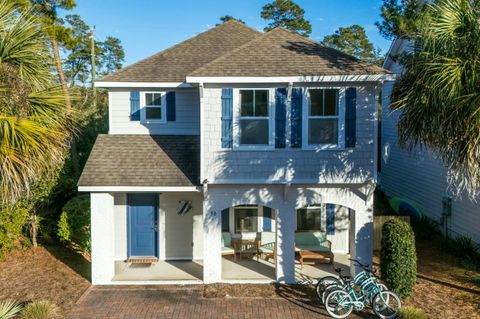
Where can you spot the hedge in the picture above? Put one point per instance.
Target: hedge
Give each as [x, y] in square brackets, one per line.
[398, 258]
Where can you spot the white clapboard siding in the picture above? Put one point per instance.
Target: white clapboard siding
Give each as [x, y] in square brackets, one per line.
[187, 115]
[421, 176]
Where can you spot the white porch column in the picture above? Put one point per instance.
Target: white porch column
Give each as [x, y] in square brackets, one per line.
[286, 244]
[212, 233]
[102, 235]
[362, 226]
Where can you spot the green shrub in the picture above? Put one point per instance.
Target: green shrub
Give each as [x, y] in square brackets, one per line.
[9, 309]
[42, 309]
[398, 259]
[74, 223]
[412, 313]
[12, 220]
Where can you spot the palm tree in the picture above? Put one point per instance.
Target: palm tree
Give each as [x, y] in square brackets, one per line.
[35, 123]
[439, 92]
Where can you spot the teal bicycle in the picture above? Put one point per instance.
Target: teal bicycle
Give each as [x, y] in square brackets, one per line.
[356, 294]
[330, 283]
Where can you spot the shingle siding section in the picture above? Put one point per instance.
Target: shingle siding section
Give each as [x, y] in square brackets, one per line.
[143, 160]
[354, 165]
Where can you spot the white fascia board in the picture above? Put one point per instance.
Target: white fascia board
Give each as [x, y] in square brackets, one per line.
[295, 182]
[101, 84]
[293, 79]
[137, 189]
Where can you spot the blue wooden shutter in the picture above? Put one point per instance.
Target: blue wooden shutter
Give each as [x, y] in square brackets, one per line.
[296, 134]
[227, 111]
[134, 106]
[171, 113]
[225, 220]
[350, 117]
[267, 218]
[330, 219]
[280, 117]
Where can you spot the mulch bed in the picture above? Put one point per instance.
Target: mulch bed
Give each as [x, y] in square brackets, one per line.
[53, 273]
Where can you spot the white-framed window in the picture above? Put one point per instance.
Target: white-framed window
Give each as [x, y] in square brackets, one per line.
[246, 219]
[310, 218]
[153, 107]
[254, 124]
[323, 118]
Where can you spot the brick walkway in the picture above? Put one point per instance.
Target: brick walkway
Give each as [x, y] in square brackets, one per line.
[179, 302]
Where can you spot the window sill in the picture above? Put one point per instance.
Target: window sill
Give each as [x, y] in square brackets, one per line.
[252, 148]
[323, 147]
[153, 122]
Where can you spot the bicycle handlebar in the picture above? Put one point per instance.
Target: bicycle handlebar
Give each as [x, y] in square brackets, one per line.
[364, 266]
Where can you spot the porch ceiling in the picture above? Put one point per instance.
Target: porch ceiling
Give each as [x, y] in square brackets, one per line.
[143, 160]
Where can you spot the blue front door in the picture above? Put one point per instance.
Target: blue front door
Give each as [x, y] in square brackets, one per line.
[142, 225]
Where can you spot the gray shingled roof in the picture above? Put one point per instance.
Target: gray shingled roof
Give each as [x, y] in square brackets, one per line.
[176, 62]
[281, 52]
[143, 160]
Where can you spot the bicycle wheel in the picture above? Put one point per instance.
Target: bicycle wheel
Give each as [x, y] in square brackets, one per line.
[382, 288]
[329, 289]
[386, 305]
[339, 304]
[323, 283]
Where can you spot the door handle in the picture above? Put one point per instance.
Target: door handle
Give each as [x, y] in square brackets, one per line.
[155, 227]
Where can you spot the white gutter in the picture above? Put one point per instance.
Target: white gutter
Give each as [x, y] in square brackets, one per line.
[101, 84]
[292, 79]
[131, 189]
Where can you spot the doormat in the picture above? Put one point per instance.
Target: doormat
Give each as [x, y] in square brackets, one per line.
[142, 260]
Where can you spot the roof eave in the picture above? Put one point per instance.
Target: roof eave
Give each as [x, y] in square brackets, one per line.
[119, 84]
[292, 79]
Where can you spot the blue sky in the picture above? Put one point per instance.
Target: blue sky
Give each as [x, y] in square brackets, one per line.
[146, 27]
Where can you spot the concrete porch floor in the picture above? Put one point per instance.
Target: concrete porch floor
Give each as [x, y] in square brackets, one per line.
[249, 269]
[177, 270]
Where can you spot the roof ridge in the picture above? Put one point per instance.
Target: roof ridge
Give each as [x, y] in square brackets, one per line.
[166, 50]
[261, 36]
[275, 30]
[235, 21]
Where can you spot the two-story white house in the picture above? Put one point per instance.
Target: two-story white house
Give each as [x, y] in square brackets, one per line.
[227, 137]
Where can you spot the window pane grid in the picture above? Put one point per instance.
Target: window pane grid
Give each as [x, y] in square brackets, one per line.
[323, 117]
[254, 117]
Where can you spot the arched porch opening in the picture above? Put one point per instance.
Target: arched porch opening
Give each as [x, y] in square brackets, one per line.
[323, 237]
[249, 243]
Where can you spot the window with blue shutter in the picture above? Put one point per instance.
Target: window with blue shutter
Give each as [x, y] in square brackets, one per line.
[267, 218]
[350, 117]
[225, 220]
[330, 208]
[171, 112]
[134, 106]
[227, 111]
[296, 134]
[280, 117]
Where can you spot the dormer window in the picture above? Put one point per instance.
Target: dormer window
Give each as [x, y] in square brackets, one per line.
[153, 106]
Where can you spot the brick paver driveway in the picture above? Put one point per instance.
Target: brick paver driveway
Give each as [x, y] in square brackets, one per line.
[179, 302]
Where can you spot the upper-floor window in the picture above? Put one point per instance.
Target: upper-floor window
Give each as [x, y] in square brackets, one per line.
[322, 121]
[254, 127]
[153, 106]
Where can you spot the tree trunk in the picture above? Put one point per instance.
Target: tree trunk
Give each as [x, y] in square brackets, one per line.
[34, 229]
[63, 83]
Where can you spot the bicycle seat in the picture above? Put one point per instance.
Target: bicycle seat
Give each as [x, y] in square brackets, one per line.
[339, 270]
